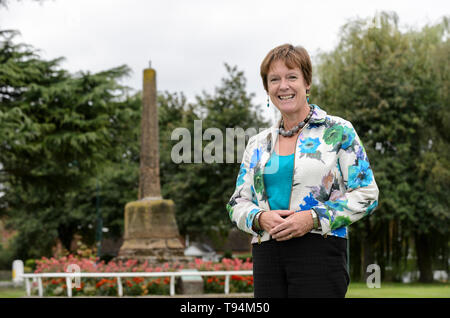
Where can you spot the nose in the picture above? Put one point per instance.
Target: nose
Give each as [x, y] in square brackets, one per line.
[284, 84]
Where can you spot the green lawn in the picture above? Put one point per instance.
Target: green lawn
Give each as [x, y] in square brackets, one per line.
[12, 292]
[356, 290]
[398, 290]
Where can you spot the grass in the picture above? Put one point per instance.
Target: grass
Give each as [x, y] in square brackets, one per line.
[399, 290]
[12, 292]
[355, 290]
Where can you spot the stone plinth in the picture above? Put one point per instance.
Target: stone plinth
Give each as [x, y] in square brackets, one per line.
[151, 232]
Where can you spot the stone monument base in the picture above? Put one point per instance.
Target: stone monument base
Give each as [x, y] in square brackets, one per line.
[151, 232]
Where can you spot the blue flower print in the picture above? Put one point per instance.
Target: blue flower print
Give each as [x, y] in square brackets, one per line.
[323, 213]
[240, 180]
[310, 202]
[360, 175]
[338, 205]
[340, 232]
[254, 198]
[250, 217]
[371, 207]
[361, 153]
[348, 137]
[309, 145]
[255, 157]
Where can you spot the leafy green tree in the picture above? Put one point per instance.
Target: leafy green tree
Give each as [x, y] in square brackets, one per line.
[393, 86]
[57, 131]
[430, 221]
[116, 182]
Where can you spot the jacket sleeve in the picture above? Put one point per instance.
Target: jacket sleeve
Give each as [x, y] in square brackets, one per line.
[360, 196]
[243, 205]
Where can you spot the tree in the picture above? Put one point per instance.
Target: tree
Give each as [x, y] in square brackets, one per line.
[393, 87]
[57, 131]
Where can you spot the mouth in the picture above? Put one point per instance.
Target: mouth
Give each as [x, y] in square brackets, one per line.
[286, 97]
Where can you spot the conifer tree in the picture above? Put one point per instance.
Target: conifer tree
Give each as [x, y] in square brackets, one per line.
[57, 131]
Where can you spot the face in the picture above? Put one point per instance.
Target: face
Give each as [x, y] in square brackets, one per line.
[287, 88]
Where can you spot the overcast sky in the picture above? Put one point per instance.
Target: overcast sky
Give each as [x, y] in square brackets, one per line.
[188, 42]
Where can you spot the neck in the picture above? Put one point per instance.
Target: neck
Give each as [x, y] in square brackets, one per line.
[291, 120]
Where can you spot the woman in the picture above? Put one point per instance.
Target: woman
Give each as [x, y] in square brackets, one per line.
[301, 183]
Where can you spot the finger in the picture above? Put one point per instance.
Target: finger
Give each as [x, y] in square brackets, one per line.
[286, 237]
[284, 213]
[281, 230]
[270, 220]
[282, 234]
[278, 228]
[290, 216]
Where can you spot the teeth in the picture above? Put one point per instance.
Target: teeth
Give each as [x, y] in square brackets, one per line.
[286, 97]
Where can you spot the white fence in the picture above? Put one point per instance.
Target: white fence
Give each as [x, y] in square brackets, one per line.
[70, 276]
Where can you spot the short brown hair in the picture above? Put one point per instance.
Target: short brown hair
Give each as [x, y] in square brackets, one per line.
[292, 56]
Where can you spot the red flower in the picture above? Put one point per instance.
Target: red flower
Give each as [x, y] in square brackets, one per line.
[138, 280]
[100, 283]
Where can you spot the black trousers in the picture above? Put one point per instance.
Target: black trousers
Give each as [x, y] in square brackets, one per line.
[303, 267]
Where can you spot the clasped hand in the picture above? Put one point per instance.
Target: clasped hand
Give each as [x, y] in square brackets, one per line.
[283, 225]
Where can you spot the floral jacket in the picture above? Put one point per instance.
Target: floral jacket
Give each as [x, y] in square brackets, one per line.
[332, 175]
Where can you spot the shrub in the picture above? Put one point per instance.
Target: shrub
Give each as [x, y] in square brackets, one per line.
[136, 286]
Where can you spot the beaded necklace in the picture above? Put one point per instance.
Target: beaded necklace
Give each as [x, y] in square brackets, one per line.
[294, 130]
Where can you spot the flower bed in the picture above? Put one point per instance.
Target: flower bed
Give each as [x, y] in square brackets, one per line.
[136, 286]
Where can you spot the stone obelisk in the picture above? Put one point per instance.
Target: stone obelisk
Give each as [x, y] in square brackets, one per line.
[151, 231]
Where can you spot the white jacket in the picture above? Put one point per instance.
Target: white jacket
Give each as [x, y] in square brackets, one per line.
[332, 174]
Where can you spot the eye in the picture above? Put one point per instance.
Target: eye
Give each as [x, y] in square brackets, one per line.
[292, 77]
[272, 80]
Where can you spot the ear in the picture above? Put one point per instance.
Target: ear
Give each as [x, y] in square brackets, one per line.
[307, 86]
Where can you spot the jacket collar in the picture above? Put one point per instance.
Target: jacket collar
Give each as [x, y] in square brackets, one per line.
[318, 116]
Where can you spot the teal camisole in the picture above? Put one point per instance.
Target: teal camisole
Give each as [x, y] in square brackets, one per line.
[278, 174]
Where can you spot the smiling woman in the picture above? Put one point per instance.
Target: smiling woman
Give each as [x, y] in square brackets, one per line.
[306, 179]
[287, 80]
